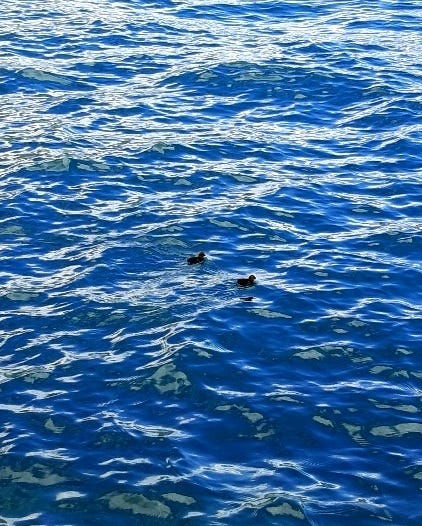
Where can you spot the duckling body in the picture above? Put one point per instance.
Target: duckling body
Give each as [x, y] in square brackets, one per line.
[200, 258]
[246, 282]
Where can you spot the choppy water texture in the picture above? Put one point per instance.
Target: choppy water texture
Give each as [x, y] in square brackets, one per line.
[284, 140]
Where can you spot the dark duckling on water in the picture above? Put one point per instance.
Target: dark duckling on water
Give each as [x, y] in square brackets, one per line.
[246, 282]
[200, 258]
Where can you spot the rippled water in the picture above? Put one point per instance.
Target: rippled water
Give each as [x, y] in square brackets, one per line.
[283, 139]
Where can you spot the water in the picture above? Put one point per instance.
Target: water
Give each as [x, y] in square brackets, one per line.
[284, 140]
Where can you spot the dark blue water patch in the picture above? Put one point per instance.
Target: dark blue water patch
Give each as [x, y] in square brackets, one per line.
[141, 110]
[243, 78]
[267, 88]
[169, 30]
[103, 72]
[72, 105]
[144, 64]
[400, 23]
[176, 152]
[47, 43]
[105, 39]
[404, 147]
[390, 115]
[253, 12]
[29, 51]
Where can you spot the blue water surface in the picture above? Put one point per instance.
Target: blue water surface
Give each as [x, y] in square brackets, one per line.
[282, 138]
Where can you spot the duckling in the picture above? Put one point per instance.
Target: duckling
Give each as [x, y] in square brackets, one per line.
[200, 258]
[246, 282]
